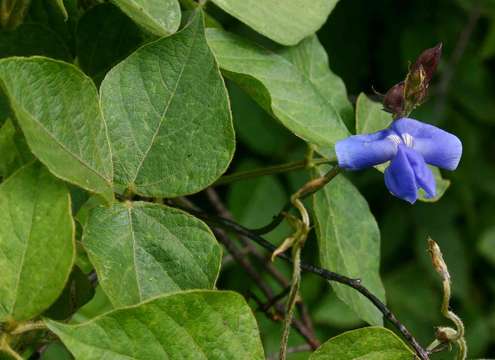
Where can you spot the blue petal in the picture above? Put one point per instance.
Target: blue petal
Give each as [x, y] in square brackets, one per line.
[422, 173]
[363, 151]
[438, 147]
[399, 177]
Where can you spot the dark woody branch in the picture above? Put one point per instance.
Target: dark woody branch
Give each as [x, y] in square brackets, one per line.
[227, 224]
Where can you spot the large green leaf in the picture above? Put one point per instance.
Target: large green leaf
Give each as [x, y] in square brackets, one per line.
[371, 343]
[104, 37]
[168, 116]
[36, 242]
[13, 149]
[349, 243]
[371, 117]
[310, 57]
[286, 22]
[160, 17]
[56, 106]
[141, 250]
[186, 325]
[294, 85]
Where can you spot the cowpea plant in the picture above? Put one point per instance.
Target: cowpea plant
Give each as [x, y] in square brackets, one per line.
[114, 113]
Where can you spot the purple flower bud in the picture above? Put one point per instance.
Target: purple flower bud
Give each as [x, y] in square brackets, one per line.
[429, 60]
[393, 101]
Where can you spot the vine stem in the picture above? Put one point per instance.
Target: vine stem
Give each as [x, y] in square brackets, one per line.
[307, 331]
[5, 347]
[29, 326]
[306, 190]
[297, 241]
[356, 284]
[271, 170]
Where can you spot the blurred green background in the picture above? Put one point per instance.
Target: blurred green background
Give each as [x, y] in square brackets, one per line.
[370, 45]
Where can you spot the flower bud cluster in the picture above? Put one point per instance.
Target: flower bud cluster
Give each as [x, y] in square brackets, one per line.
[403, 97]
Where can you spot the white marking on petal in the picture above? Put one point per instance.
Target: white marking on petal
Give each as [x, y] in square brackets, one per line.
[408, 139]
[395, 139]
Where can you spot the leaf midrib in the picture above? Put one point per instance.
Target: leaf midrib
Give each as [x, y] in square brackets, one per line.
[56, 141]
[25, 250]
[172, 96]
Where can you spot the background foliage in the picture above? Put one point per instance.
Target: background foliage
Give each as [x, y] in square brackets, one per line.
[369, 46]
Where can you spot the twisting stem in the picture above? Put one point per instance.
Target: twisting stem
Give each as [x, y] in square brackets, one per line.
[324, 273]
[446, 334]
[297, 243]
[292, 350]
[307, 189]
[29, 326]
[291, 301]
[270, 170]
[5, 347]
[264, 287]
[305, 327]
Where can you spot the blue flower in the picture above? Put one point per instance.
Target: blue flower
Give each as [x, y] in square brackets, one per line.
[409, 145]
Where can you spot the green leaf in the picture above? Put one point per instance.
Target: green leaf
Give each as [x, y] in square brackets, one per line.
[33, 39]
[185, 325]
[36, 242]
[310, 57]
[349, 243]
[13, 149]
[284, 84]
[371, 343]
[141, 250]
[159, 17]
[370, 116]
[168, 116]
[104, 37]
[56, 107]
[286, 22]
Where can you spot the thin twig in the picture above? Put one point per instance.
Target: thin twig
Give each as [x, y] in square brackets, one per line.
[309, 188]
[270, 170]
[265, 261]
[264, 287]
[324, 273]
[222, 211]
[220, 208]
[291, 350]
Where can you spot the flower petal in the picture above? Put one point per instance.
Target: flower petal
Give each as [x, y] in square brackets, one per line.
[362, 151]
[438, 147]
[424, 176]
[399, 177]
